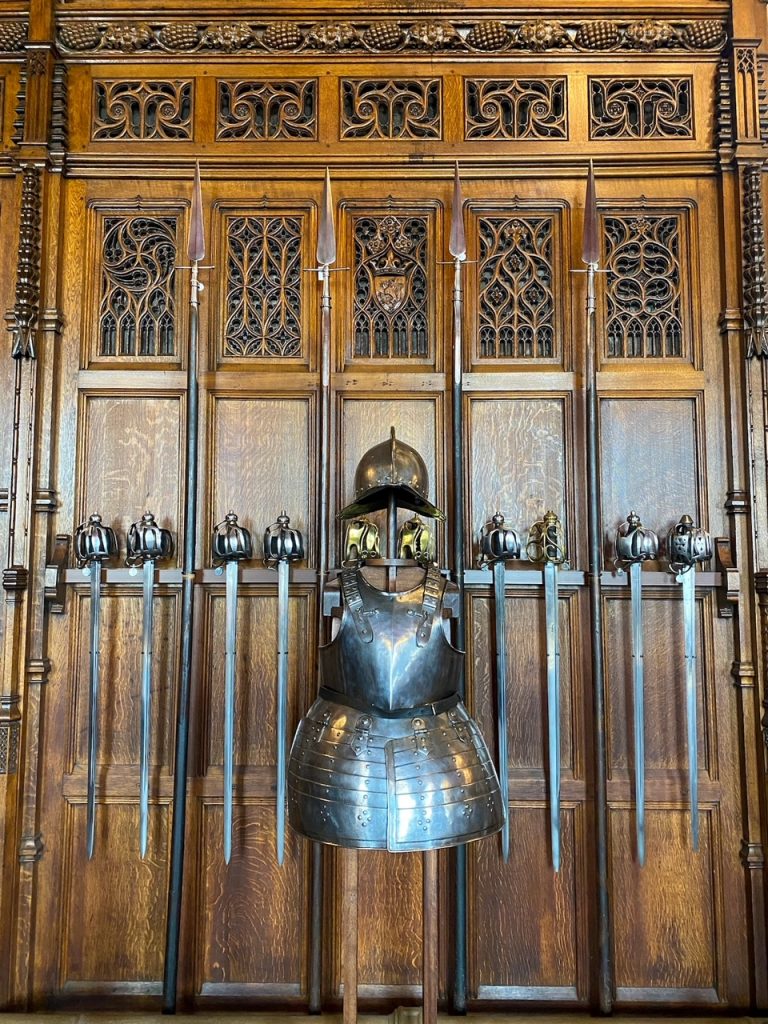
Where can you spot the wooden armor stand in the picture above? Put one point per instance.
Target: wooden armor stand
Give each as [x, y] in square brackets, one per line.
[396, 574]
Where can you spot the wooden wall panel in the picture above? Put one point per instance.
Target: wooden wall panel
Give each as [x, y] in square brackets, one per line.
[518, 461]
[253, 928]
[114, 907]
[261, 450]
[667, 946]
[129, 459]
[389, 922]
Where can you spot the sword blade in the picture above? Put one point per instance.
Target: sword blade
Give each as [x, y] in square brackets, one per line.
[553, 706]
[689, 621]
[146, 698]
[282, 700]
[229, 702]
[93, 706]
[638, 682]
[499, 570]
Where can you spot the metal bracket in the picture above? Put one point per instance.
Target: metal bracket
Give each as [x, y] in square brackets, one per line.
[55, 574]
[728, 591]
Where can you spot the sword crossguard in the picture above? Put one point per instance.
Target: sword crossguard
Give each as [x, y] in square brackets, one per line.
[282, 543]
[546, 541]
[231, 541]
[498, 543]
[634, 543]
[147, 541]
[686, 545]
[94, 542]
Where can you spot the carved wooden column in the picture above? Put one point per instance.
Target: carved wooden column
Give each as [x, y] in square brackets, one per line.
[34, 324]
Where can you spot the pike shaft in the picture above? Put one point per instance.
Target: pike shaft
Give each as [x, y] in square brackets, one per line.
[282, 699]
[230, 670]
[636, 585]
[605, 979]
[501, 696]
[553, 706]
[146, 698]
[689, 618]
[93, 705]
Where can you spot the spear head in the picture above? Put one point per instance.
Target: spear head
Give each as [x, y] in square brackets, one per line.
[458, 242]
[590, 246]
[326, 233]
[196, 249]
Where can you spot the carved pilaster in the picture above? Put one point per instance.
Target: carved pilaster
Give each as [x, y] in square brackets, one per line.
[753, 263]
[747, 90]
[24, 315]
[59, 136]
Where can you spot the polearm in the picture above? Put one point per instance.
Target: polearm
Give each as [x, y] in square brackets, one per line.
[326, 256]
[457, 247]
[195, 253]
[590, 255]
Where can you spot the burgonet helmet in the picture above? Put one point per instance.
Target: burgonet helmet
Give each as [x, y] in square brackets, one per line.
[391, 466]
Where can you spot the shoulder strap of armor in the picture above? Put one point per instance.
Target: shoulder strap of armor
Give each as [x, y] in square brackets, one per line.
[433, 589]
[354, 603]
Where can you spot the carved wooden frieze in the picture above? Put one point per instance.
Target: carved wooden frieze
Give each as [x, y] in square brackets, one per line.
[391, 318]
[139, 110]
[267, 110]
[640, 108]
[391, 108]
[264, 286]
[393, 36]
[644, 312]
[13, 36]
[516, 303]
[515, 108]
[753, 263]
[137, 299]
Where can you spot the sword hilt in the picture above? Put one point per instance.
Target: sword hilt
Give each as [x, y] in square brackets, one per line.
[686, 545]
[282, 542]
[231, 541]
[634, 543]
[148, 542]
[498, 543]
[546, 541]
[94, 542]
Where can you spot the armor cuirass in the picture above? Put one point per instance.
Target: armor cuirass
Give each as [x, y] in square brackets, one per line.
[387, 757]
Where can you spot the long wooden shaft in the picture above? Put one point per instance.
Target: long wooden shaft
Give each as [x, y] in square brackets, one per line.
[605, 984]
[173, 924]
[430, 950]
[349, 935]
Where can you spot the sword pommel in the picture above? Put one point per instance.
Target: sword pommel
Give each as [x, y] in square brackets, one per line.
[94, 542]
[231, 541]
[148, 542]
[497, 542]
[282, 542]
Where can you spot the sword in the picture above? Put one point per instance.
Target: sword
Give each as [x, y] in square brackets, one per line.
[687, 545]
[94, 543]
[282, 545]
[635, 545]
[498, 544]
[546, 544]
[147, 543]
[231, 544]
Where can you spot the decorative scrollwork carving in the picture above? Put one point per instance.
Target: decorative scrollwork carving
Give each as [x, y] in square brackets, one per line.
[640, 108]
[376, 35]
[516, 300]
[137, 306]
[9, 747]
[516, 108]
[267, 110]
[23, 318]
[391, 315]
[142, 110]
[753, 269]
[644, 316]
[264, 290]
[391, 109]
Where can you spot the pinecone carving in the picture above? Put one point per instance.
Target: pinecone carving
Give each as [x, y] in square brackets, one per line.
[383, 35]
[179, 36]
[78, 35]
[704, 35]
[489, 35]
[283, 35]
[13, 35]
[598, 35]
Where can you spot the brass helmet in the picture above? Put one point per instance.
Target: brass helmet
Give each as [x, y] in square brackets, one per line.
[391, 466]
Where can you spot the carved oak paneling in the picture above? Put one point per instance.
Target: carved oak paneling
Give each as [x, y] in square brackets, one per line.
[137, 306]
[646, 313]
[515, 108]
[141, 110]
[640, 108]
[267, 110]
[264, 286]
[391, 108]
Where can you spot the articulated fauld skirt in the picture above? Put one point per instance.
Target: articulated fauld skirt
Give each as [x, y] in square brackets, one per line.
[361, 780]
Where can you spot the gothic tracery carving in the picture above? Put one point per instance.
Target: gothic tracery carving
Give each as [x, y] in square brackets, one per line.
[517, 108]
[142, 110]
[640, 108]
[267, 110]
[391, 109]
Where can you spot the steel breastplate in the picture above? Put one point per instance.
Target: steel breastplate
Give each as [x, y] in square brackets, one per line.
[391, 652]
